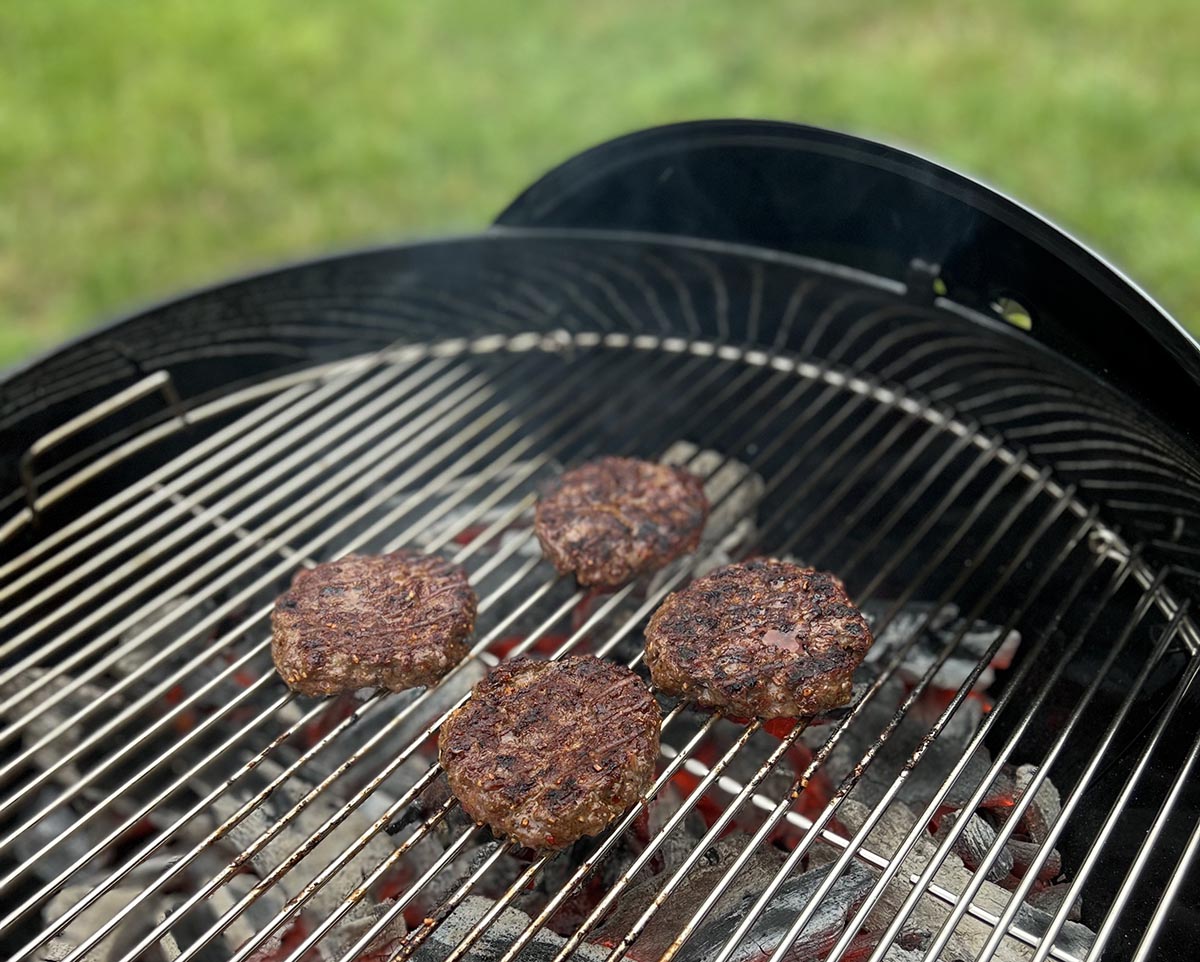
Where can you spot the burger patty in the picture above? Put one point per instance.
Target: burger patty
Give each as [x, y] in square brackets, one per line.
[545, 752]
[372, 621]
[762, 639]
[613, 519]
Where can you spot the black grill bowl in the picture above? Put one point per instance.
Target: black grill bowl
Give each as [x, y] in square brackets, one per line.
[833, 314]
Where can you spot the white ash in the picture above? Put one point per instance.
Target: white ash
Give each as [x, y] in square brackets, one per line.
[498, 937]
[501, 873]
[45, 719]
[938, 760]
[757, 872]
[107, 906]
[970, 935]
[683, 840]
[671, 854]
[1045, 808]
[501, 576]
[369, 723]
[155, 629]
[53, 829]
[1024, 853]
[973, 843]
[310, 819]
[763, 865]
[1051, 898]
[945, 625]
[466, 516]
[897, 953]
[256, 916]
[182, 615]
[734, 491]
[769, 930]
[823, 929]
[360, 921]
[271, 949]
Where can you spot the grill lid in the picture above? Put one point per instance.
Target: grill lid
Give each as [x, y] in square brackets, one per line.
[851, 201]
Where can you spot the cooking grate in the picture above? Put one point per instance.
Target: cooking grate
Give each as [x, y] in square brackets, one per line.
[164, 796]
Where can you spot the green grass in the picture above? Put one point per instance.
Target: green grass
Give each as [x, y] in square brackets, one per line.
[146, 147]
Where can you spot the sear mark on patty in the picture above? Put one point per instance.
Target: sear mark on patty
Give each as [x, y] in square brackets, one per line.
[613, 519]
[390, 621]
[763, 639]
[545, 752]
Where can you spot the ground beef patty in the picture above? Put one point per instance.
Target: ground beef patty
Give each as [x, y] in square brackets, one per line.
[386, 621]
[613, 519]
[546, 752]
[762, 639]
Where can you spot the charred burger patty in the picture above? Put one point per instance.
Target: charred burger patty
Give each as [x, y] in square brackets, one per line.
[613, 519]
[388, 621]
[763, 639]
[546, 752]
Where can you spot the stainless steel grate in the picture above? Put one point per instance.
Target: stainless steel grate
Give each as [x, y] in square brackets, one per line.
[164, 796]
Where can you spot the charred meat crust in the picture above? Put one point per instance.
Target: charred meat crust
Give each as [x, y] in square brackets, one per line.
[547, 752]
[390, 621]
[613, 519]
[763, 639]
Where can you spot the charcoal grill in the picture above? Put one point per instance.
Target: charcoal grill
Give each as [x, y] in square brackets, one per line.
[880, 367]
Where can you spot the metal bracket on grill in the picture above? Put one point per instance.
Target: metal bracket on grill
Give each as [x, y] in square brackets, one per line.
[923, 282]
[158, 382]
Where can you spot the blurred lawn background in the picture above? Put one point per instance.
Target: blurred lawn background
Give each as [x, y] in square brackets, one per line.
[149, 147]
